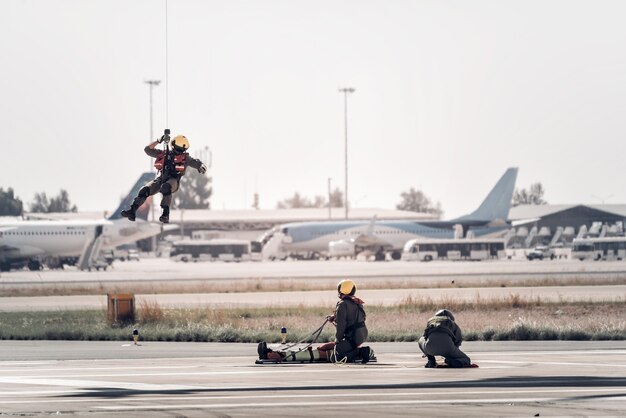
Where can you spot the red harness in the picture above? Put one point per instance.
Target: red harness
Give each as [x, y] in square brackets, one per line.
[179, 162]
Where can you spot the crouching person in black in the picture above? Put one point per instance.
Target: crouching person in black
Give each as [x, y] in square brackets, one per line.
[442, 337]
[351, 332]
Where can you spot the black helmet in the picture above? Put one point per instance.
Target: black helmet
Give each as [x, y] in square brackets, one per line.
[445, 312]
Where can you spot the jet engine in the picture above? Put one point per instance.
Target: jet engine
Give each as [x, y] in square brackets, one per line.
[341, 248]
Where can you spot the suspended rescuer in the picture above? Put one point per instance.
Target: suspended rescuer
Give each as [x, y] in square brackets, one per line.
[349, 318]
[171, 165]
[442, 337]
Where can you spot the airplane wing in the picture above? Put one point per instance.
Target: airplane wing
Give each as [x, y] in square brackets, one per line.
[22, 251]
[369, 240]
[521, 222]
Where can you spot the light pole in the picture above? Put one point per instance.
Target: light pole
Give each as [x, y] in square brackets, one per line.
[152, 84]
[329, 202]
[345, 91]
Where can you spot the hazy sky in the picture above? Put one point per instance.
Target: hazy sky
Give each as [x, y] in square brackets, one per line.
[448, 95]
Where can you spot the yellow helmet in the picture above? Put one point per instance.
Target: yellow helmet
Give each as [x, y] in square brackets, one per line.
[180, 143]
[346, 287]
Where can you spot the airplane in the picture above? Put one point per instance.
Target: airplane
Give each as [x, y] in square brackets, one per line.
[55, 242]
[350, 238]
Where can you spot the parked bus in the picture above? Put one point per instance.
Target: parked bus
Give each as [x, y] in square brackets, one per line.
[607, 248]
[215, 250]
[453, 249]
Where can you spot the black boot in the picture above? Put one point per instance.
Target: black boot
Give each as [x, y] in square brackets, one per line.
[262, 350]
[130, 213]
[365, 354]
[452, 362]
[432, 363]
[165, 217]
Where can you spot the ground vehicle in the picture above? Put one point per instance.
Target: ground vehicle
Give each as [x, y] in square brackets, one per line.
[540, 252]
[214, 250]
[453, 249]
[607, 248]
[133, 255]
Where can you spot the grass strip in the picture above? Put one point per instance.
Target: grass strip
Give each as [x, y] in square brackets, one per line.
[511, 318]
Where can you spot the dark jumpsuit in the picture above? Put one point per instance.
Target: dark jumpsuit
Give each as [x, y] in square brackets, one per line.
[351, 329]
[168, 176]
[442, 337]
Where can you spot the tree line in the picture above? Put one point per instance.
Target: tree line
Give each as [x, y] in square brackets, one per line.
[413, 200]
[11, 205]
[195, 193]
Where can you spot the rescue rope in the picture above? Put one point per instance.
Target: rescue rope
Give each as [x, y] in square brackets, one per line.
[315, 334]
[338, 362]
[167, 84]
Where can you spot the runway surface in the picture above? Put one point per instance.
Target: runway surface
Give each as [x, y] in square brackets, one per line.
[98, 379]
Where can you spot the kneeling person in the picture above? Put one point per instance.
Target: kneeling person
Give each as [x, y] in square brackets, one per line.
[349, 318]
[442, 337]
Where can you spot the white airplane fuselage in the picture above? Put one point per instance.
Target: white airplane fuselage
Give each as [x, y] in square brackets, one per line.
[345, 238]
[27, 239]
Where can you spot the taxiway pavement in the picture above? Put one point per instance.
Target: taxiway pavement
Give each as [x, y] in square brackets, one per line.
[159, 270]
[98, 379]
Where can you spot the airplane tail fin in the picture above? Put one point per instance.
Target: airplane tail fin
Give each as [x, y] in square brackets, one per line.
[497, 203]
[142, 212]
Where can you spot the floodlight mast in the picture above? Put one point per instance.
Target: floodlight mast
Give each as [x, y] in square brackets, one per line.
[346, 91]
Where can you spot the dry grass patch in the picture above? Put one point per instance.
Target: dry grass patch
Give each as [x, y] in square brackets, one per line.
[506, 318]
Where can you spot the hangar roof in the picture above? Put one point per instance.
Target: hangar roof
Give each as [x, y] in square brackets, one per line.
[538, 211]
[292, 215]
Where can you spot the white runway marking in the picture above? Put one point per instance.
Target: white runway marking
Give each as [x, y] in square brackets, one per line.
[555, 363]
[341, 404]
[27, 363]
[252, 371]
[546, 353]
[91, 383]
[295, 396]
[273, 369]
[69, 369]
